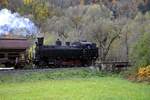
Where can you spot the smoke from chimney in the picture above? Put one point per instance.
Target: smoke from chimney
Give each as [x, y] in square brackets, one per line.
[13, 23]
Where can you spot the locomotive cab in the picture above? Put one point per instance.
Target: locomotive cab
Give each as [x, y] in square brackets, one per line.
[84, 45]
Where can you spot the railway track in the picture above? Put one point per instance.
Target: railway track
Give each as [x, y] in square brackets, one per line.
[15, 71]
[98, 65]
[23, 70]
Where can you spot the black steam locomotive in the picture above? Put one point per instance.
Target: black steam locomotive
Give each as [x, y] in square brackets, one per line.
[72, 54]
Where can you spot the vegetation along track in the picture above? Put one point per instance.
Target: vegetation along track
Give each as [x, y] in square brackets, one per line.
[13, 71]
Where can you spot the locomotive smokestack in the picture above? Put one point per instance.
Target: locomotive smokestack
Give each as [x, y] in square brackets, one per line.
[40, 41]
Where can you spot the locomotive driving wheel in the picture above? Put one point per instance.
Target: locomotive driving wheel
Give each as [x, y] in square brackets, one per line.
[42, 64]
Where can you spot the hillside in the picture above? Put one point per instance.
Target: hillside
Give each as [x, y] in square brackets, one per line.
[118, 27]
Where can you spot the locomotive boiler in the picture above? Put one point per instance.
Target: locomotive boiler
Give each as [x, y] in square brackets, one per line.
[71, 54]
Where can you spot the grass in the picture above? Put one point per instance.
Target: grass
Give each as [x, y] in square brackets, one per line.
[104, 88]
[72, 84]
[54, 74]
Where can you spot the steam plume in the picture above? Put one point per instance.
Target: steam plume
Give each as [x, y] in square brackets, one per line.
[13, 23]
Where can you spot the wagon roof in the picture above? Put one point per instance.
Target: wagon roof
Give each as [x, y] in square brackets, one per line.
[8, 43]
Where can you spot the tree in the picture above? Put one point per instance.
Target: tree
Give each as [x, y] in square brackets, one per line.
[139, 39]
[40, 11]
[28, 2]
[104, 33]
[141, 55]
[4, 3]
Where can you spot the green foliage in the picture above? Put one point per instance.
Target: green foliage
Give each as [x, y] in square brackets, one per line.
[49, 38]
[40, 11]
[141, 51]
[46, 75]
[27, 2]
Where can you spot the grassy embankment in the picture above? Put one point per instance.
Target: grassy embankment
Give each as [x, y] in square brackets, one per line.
[72, 84]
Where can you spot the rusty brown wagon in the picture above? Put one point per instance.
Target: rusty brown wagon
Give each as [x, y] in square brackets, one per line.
[13, 52]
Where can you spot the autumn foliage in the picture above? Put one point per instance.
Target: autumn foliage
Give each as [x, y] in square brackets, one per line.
[144, 73]
[4, 3]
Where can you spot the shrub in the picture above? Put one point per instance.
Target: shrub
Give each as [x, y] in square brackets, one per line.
[144, 73]
[141, 51]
